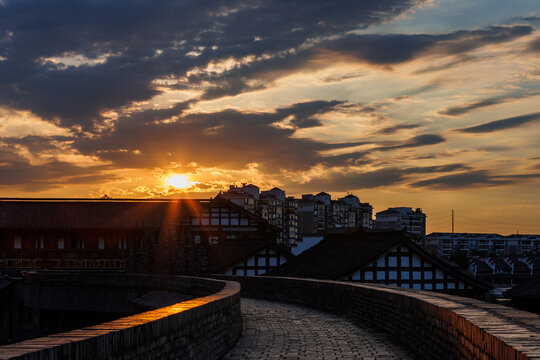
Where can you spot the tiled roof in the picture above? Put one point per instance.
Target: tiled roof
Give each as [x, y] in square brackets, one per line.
[502, 266]
[343, 252]
[339, 254]
[225, 255]
[104, 214]
[82, 214]
[482, 268]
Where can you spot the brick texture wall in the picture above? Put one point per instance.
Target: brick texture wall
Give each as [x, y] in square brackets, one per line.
[433, 325]
[203, 328]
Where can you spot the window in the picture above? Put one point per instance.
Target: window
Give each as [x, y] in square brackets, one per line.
[405, 261]
[17, 242]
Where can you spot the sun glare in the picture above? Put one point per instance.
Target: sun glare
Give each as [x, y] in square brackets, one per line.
[178, 181]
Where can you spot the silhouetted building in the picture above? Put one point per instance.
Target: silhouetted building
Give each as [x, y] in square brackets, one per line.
[317, 213]
[271, 205]
[167, 236]
[504, 270]
[402, 218]
[381, 257]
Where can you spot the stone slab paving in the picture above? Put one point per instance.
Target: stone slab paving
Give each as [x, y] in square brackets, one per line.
[273, 330]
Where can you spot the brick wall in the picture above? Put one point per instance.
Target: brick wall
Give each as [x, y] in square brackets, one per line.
[434, 325]
[203, 328]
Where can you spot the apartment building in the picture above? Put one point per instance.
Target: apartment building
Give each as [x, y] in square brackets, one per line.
[445, 244]
[402, 218]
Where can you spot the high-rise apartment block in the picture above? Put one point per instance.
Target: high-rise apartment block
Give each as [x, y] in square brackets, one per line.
[272, 205]
[310, 215]
[402, 218]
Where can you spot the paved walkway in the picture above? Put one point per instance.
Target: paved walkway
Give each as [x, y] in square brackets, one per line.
[274, 330]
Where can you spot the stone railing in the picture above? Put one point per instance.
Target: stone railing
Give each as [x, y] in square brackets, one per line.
[202, 328]
[433, 325]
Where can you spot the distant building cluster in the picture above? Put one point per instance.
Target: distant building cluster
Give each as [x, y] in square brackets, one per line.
[446, 244]
[309, 215]
[504, 270]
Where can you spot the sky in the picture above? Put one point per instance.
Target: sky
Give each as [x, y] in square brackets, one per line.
[430, 104]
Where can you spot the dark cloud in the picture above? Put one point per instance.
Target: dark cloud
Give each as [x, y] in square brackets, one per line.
[472, 179]
[436, 169]
[127, 45]
[470, 106]
[229, 138]
[354, 180]
[16, 170]
[463, 109]
[388, 49]
[37, 144]
[331, 79]
[130, 44]
[525, 19]
[420, 140]
[303, 113]
[534, 46]
[502, 124]
[394, 129]
[461, 180]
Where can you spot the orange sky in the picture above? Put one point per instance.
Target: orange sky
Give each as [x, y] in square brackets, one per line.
[427, 104]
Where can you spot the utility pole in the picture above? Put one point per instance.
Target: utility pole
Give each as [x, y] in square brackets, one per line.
[452, 221]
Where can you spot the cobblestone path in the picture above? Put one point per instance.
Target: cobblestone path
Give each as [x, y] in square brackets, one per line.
[274, 330]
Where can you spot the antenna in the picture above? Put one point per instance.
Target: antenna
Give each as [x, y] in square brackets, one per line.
[452, 221]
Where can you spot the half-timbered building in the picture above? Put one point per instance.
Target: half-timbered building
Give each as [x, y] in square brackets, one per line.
[172, 236]
[381, 257]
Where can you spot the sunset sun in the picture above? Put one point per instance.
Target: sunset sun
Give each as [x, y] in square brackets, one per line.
[178, 181]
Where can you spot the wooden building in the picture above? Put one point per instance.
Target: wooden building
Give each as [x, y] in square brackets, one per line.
[168, 236]
[381, 257]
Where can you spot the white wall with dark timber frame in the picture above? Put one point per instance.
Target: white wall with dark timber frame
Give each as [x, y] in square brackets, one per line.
[400, 266]
[259, 264]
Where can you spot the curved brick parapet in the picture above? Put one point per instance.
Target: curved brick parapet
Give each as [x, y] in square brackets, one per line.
[202, 328]
[434, 325]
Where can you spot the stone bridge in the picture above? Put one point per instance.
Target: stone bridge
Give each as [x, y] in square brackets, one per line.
[289, 318]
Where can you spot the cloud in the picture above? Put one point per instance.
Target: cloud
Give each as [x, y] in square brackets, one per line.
[389, 49]
[303, 113]
[354, 179]
[461, 180]
[416, 141]
[18, 171]
[534, 46]
[470, 106]
[502, 124]
[68, 62]
[229, 139]
[394, 129]
[472, 179]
